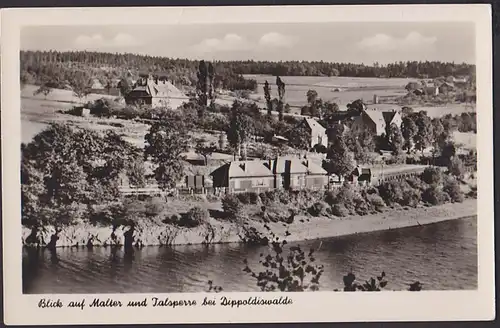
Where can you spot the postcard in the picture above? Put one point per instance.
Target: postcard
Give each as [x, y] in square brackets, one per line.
[247, 164]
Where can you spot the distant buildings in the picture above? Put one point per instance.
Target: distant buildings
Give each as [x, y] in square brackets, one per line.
[446, 87]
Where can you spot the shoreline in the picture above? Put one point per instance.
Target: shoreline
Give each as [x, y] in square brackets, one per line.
[217, 232]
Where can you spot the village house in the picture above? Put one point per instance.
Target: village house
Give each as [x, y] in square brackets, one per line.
[262, 175]
[318, 135]
[377, 118]
[446, 87]
[155, 93]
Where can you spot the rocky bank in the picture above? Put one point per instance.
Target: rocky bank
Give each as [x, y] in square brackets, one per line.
[213, 231]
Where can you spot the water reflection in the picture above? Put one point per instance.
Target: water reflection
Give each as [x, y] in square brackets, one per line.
[441, 256]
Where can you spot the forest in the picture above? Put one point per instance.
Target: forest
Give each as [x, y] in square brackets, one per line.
[40, 66]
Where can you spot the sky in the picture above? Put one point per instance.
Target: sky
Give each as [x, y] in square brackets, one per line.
[354, 42]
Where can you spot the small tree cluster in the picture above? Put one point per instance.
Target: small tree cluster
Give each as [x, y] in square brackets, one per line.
[292, 272]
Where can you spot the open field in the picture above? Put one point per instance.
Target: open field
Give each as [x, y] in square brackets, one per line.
[454, 109]
[467, 139]
[352, 88]
[60, 95]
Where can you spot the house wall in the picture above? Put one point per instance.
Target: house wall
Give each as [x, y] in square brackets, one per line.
[316, 181]
[363, 122]
[397, 119]
[160, 102]
[319, 138]
[138, 98]
[256, 184]
[298, 181]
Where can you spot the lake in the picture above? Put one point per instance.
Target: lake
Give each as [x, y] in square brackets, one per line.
[442, 256]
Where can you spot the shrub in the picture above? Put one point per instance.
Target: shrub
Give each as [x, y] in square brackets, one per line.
[292, 272]
[103, 107]
[194, 217]
[411, 197]
[173, 219]
[376, 201]
[452, 188]
[371, 285]
[417, 183]
[346, 196]
[127, 113]
[318, 208]
[456, 167]
[231, 205]
[434, 196]
[339, 210]
[432, 176]
[154, 207]
[331, 196]
[391, 192]
[248, 197]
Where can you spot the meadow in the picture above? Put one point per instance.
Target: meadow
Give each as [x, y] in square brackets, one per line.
[350, 88]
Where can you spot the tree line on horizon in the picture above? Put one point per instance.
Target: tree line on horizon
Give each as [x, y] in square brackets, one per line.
[188, 68]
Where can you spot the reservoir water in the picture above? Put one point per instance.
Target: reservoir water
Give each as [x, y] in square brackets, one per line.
[442, 256]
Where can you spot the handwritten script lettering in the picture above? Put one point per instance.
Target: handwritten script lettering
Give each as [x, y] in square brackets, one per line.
[224, 301]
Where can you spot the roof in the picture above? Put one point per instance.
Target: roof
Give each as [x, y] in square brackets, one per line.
[254, 168]
[313, 168]
[289, 165]
[161, 89]
[96, 84]
[264, 168]
[376, 116]
[448, 84]
[388, 116]
[315, 127]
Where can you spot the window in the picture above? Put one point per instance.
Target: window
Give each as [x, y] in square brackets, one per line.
[259, 182]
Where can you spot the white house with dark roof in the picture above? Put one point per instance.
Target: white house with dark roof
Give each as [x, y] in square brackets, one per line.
[317, 131]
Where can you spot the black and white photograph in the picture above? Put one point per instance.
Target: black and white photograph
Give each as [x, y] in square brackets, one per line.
[228, 157]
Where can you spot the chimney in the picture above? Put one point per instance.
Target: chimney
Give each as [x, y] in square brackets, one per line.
[375, 99]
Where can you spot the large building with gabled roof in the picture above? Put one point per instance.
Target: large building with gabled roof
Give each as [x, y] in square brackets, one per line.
[155, 93]
[262, 175]
[377, 118]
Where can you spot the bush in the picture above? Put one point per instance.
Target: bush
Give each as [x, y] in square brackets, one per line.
[452, 188]
[231, 205]
[456, 167]
[339, 210]
[411, 196]
[432, 176]
[346, 196]
[103, 107]
[376, 201]
[127, 113]
[331, 196]
[154, 207]
[318, 208]
[194, 217]
[435, 196]
[391, 192]
[248, 197]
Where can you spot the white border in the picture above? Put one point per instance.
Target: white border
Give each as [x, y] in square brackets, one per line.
[307, 307]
